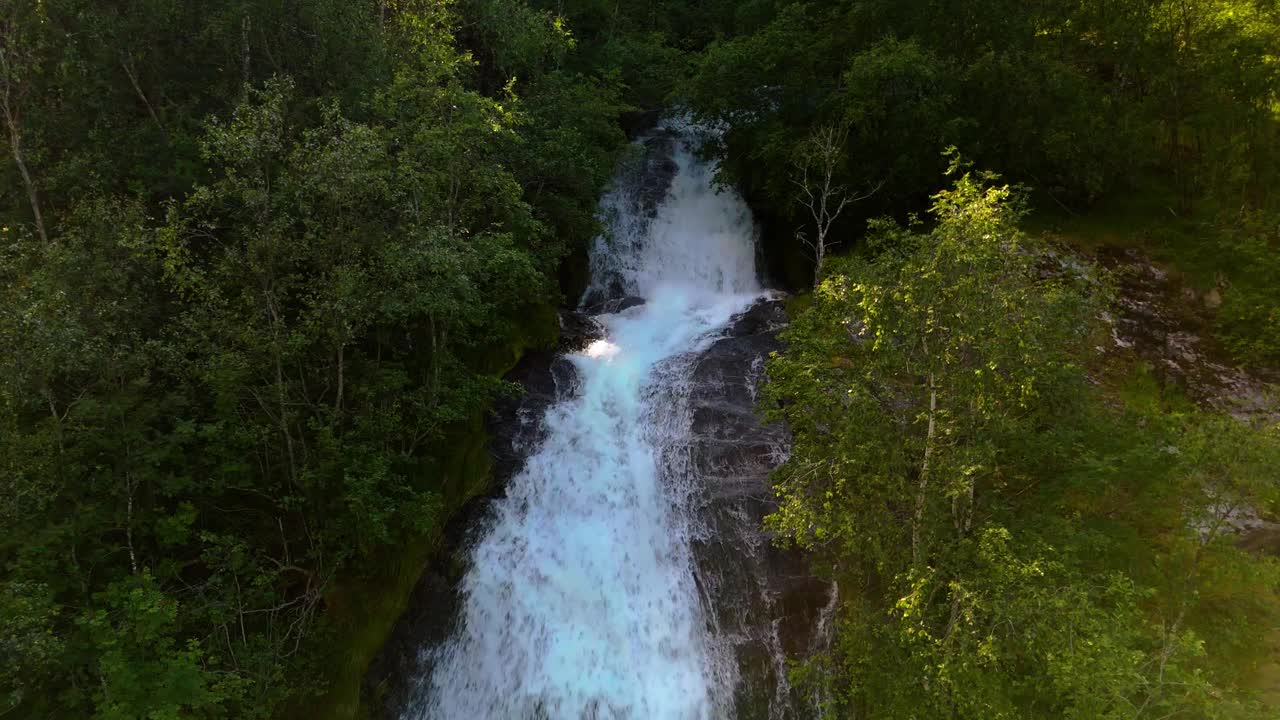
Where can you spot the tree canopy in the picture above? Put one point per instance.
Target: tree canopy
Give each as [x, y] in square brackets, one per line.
[263, 266]
[1006, 544]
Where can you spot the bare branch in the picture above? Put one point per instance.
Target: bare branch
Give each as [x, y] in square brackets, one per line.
[820, 155]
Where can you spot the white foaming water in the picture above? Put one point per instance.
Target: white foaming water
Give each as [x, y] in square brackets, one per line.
[580, 599]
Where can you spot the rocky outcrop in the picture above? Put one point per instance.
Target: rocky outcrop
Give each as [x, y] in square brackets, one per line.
[765, 602]
[641, 185]
[1167, 324]
[653, 175]
[617, 305]
[577, 330]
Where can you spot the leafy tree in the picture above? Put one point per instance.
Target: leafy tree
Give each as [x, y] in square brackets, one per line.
[285, 259]
[142, 669]
[953, 474]
[1079, 100]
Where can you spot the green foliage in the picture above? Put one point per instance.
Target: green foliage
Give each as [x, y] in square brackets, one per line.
[955, 322]
[29, 644]
[1249, 319]
[1005, 544]
[260, 261]
[144, 670]
[1080, 99]
[284, 245]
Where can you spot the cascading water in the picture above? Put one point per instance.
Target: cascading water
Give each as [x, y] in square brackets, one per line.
[580, 600]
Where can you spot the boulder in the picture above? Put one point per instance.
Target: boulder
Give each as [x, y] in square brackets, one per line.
[577, 330]
[617, 305]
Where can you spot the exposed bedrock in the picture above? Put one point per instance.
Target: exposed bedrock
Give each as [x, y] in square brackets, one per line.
[763, 600]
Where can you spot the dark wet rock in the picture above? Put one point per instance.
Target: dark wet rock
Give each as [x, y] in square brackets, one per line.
[600, 294]
[516, 424]
[577, 330]
[764, 317]
[617, 305]
[644, 180]
[765, 601]
[656, 171]
[638, 122]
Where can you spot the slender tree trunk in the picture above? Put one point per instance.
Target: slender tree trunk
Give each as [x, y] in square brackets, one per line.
[337, 403]
[819, 253]
[127, 64]
[15, 145]
[128, 527]
[921, 492]
[245, 50]
[280, 394]
[439, 343]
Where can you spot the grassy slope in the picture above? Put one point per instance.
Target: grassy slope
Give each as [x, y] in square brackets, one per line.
[1185, 248]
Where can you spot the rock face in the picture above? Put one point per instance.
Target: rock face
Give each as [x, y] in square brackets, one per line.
[1165, 324]
[654, 175]
[577, 331]
[641, 186]
[617, 305]
[764, 602]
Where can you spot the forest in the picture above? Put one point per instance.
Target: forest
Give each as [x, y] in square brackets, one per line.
[264, 265]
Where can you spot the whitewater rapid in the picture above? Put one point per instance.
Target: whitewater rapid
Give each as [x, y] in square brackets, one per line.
[580, 599]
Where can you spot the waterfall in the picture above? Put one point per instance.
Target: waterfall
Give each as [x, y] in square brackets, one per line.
[580, 598]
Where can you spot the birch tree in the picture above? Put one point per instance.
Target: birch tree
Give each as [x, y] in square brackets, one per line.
[17, 54]
[905, 385]
[815, 168]
[944, 337]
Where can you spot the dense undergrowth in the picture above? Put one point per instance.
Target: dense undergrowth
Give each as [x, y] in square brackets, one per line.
[263, 267]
